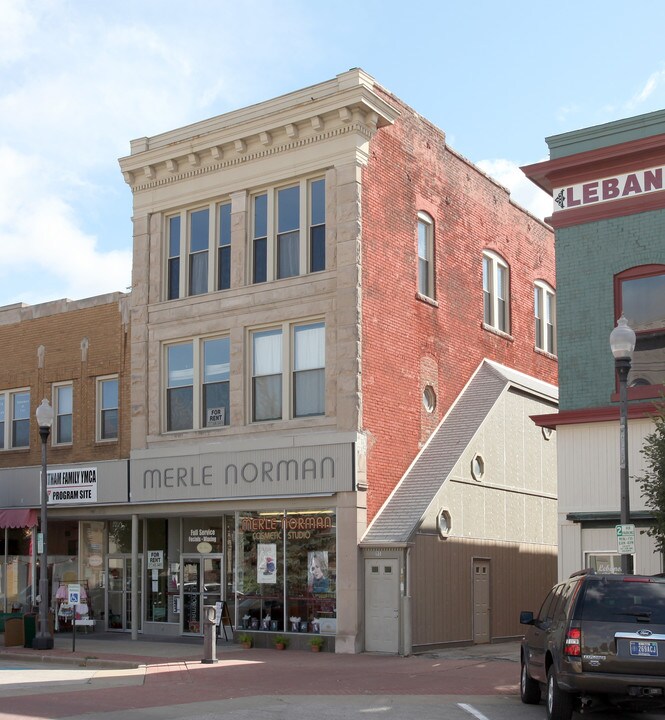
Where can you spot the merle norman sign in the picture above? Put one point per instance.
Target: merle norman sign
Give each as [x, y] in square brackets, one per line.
[252, 473]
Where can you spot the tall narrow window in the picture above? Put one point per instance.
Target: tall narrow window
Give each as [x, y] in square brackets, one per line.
[2, 422]
[317, 226]
[180, 388]
[496, 288]
[224, 251]
[174, 258]
[20, 419]
[425, 255]
[260, 253]
[288, 232]
[107, 412]
[309, 360]
[544, 310]
[267, 375]
[63, 414]
[198, 252]
[216, 382]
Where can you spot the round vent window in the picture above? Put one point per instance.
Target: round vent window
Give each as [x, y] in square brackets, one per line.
[429, 399]
[478, 467]
[445, 523]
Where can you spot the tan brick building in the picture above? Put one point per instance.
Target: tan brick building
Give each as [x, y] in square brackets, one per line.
[76, 355]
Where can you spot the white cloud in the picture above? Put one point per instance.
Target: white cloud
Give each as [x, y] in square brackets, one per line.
[650, 86]
[46, 255]
[522, 190]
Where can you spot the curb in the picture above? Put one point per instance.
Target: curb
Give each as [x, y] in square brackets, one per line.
[78, 661]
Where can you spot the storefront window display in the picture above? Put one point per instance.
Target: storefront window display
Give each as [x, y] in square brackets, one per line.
[16, 569]
[162, 562]
[286, 571]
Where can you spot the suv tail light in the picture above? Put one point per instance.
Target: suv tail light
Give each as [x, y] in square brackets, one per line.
[573, 646]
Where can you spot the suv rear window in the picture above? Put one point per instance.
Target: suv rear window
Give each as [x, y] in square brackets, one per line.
[614, 600]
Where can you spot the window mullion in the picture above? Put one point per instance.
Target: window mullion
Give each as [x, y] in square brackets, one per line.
[184, 255]
[197, 390]
[213, 259]
[303, 230]
[287, 373]
[271, 260]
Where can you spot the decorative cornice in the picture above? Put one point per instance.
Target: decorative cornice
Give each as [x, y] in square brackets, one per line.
[219, 159]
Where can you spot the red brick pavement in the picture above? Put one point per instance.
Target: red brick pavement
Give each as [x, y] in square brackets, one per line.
[245, 673]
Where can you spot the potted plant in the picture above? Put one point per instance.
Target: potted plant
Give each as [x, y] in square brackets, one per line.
[316, 643]
[281, 641]
[245, 640]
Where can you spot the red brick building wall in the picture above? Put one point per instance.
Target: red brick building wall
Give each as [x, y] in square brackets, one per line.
[60, 327]
[408, 343]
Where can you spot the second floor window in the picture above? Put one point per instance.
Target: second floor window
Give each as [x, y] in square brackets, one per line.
[107, 408]
[14, 419]
[544, 310]
[277, 394]
[63, 396]
[640, 297]
[496, 288]
[197, 384]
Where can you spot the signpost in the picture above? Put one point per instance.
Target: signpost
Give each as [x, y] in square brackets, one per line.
[74, 592]
[626, 539]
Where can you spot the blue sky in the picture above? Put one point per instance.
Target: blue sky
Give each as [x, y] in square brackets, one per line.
[79, 79]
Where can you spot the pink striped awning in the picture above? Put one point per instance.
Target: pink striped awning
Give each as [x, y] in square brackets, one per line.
[18, 518]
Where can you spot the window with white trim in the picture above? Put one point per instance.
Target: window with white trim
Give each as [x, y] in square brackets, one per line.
[14, 419]
[425, 255]
[544, 310]
[63, 400]
[276, 394]
[197, 384]
[107, 408]
[496, 289]
[288, 231]
[206, 248]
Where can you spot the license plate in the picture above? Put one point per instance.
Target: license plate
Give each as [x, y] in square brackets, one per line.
[643, 649]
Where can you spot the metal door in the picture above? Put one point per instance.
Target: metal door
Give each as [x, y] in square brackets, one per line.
[481, 601]
[118, 593]
[382, 605]
[201, 585]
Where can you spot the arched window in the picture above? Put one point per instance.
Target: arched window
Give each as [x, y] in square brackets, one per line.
[544, 311]
[639, 294]
[426, 255]
[496, 292]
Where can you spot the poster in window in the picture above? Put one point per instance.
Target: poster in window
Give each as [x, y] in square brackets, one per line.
[266, 563]
[317, 571]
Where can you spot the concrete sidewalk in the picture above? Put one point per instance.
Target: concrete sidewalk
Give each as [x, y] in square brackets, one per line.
[118, 650]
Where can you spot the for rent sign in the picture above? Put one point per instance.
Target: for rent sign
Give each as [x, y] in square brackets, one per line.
[71, 486]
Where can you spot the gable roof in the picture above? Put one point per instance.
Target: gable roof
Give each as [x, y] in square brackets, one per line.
[402, 512]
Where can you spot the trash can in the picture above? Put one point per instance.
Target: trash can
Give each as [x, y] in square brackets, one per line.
[29, 629]
[13, 631]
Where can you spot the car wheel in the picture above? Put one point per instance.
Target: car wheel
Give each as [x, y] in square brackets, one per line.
[559, 704]
[529, 688]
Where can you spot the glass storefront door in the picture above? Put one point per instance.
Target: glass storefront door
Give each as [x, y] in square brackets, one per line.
[201, 585]
[118, 593]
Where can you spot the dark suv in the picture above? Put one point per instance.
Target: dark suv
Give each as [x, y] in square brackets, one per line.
[598, 640]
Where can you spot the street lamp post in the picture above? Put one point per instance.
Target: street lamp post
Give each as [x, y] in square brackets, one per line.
[43, 639]
[622, 342]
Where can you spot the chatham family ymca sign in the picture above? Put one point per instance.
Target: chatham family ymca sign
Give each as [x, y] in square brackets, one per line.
[606, 189]
[71, 486]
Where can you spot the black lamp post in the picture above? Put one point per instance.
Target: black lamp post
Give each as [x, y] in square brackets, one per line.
[622, 342]
[43, 639]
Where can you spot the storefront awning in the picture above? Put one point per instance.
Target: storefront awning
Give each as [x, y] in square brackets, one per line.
[19, 518]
